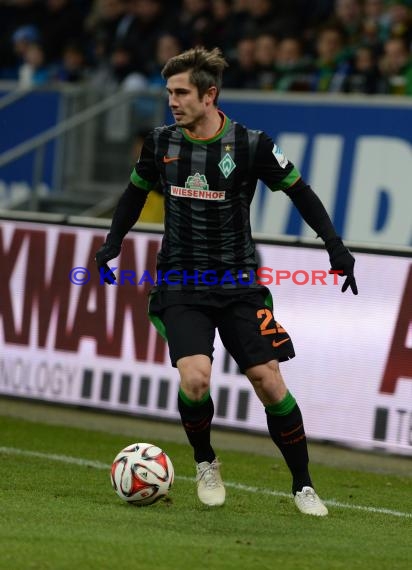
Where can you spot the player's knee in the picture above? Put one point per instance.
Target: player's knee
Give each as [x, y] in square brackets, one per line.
[194, 376]
[267, 382]
[264, 376]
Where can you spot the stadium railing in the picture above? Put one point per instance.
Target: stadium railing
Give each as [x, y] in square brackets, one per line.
[80, 133]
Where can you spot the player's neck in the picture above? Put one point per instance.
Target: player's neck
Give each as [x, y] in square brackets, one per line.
[209, 126]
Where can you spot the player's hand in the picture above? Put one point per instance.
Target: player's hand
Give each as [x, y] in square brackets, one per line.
[107, 252]
[343, 261]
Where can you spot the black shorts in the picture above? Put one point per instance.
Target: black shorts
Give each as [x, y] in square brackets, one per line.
[247, 328]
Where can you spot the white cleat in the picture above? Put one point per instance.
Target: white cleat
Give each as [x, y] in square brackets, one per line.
[210, 488]
[309, 503]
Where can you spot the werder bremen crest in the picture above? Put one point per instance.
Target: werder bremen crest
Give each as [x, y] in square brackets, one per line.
[197, 182]
[227, 165]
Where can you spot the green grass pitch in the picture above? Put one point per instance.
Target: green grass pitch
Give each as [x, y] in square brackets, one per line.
[58, 510]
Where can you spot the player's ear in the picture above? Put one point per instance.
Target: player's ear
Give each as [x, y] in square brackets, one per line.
[211, 94]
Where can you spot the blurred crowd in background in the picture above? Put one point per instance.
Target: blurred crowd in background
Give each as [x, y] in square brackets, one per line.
[333, 46]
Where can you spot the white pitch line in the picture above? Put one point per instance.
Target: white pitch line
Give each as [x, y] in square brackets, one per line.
[55, 457]
[237, 486]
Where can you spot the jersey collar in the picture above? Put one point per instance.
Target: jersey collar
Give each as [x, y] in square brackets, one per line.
[220, 133]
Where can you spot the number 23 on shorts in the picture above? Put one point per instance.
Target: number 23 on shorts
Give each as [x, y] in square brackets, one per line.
[267, 320]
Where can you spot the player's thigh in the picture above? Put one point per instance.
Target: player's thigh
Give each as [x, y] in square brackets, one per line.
[251, 334]
[190, 331]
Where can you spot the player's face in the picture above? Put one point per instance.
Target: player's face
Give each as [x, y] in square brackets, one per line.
[188, 109]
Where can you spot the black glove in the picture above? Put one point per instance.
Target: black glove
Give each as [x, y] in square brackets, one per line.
[108, 251]
[343, 261]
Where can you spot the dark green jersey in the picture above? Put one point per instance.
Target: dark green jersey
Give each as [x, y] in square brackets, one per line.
[208, 186]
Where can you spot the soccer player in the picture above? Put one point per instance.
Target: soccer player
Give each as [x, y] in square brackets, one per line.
[208, 166]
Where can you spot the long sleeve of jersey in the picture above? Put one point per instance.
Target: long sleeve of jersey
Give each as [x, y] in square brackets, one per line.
[127, 212]
[311, 209]
[144, 178]
[278, 173]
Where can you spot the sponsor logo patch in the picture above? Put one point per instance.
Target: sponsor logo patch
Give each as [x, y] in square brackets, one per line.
[280, 157]
[197, 194]
[197, 182]
[197, 187]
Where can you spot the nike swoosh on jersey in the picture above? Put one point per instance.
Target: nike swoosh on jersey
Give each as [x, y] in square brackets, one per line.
[276, 344]
[167, 159]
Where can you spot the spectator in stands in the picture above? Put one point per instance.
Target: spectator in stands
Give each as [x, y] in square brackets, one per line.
[167, 46]
[34, 70]
[73, 68]
[331, 67]
[21, 40]
[194, 22]
[374, 10]
[241, 73]
[265, 60]
[396, 67]
[105, 24]
[15, 15]
[62, 23]
[240, 13]
[224, 29]
[374, 23]
[121, 70]
[399, 13]
[137, 25]
[267, 16]
[364, 76]
[313, 13]
[146, 25]
[348, 15]
[294, 70]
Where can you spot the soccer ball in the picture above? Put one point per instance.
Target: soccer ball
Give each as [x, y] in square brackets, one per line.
[142, 474]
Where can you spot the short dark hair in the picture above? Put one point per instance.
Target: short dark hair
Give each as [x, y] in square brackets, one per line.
[206, 68]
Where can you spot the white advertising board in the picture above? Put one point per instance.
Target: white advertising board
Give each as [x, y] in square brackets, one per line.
[92, 344]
